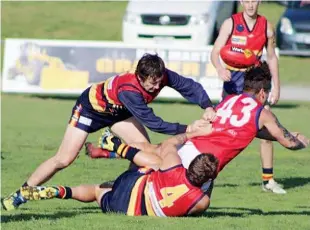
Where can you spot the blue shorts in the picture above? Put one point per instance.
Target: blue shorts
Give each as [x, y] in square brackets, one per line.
[118, 199]
[235, 85]
[86, 118]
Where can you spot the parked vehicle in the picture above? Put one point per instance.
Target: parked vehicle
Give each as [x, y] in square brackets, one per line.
[193, 23]
[293, 29]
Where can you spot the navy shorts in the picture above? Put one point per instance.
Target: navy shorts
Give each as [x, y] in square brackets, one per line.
[86, 118]
[118, 199]
[235, 85]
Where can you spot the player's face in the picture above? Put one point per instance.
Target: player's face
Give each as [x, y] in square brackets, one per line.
[151, 84]
[250, 7]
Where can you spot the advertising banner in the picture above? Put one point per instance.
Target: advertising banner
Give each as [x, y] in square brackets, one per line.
[69, 67]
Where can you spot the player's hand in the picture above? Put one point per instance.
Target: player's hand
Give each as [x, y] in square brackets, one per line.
[224, 74]
[274, 96]
[209, 114]
[203, 130]
[303, 139]
[202, 126]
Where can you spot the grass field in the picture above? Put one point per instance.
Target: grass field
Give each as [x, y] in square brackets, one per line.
[32, 129]
[103, 21]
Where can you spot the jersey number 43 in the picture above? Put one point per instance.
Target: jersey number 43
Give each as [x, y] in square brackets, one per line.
[225, 112]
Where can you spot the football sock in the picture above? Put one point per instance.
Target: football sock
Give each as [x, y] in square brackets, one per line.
[127, 152]
[112, 155]
[267, 175]
[64, 192]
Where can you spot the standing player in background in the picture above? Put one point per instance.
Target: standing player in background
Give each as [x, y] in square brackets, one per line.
[249, 30]
[119, 102]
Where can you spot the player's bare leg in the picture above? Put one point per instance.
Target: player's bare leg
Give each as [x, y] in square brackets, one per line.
[82, 193]
[266, 153]
[100, 192]
[72, 142]
[129, 130]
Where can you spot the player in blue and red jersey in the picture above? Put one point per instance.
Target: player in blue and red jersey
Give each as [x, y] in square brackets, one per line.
[120, 103]
[171, 190]
[249, 30]
[240, 118]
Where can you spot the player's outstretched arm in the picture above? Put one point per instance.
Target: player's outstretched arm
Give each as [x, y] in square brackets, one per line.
[283, 136]
[136, 105]
[198, 128]
[189, 89]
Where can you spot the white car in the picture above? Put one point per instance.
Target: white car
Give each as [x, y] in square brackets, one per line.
[193, 23]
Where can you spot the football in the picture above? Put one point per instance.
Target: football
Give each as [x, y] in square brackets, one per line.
[237, 57]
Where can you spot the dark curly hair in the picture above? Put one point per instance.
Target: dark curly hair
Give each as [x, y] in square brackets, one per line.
[150, 65]
[257, 78]
[202, 169]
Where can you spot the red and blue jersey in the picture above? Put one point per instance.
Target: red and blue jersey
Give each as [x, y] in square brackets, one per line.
[244, 38]
[234, 129]
[169, 193]
[124, 92]
[153, 193]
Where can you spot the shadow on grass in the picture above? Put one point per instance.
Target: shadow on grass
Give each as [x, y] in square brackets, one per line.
[226, 185]
[89, 208]
[294, 182]
[58, 97]
[303, 206]
[34, 216]
[291, 182]
[215, 212]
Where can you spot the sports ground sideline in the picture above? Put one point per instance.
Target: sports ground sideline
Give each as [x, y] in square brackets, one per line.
[295, 93]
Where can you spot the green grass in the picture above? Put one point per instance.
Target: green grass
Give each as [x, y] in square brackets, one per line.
[103, 21]
[32, 128]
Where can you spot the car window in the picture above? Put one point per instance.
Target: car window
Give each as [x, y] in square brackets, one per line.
[305, 4]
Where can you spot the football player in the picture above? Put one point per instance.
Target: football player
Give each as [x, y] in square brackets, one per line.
[249, 30]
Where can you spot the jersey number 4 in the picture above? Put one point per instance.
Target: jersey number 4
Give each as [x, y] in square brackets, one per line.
[171, 194]
[225, 112]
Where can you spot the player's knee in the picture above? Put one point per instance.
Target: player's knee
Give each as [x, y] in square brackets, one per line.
[98, 191]
[62, 162]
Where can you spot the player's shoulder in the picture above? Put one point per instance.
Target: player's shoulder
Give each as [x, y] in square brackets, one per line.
[265, 116]
[228, 23]
[270, 27]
